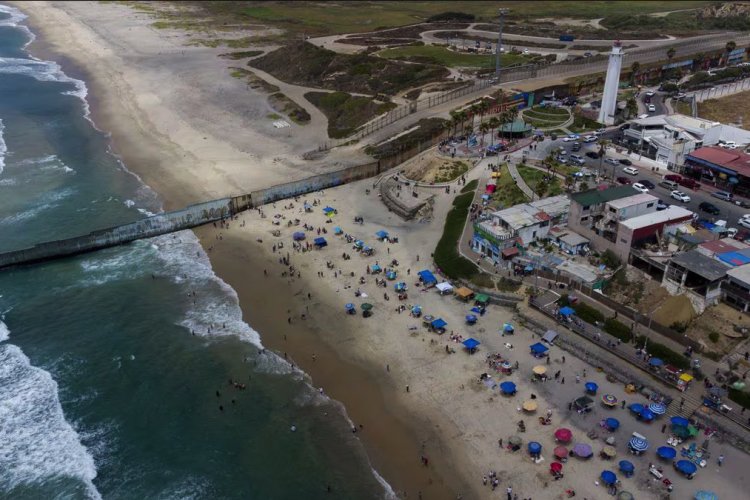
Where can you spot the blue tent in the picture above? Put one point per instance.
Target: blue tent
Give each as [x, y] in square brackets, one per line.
[391, 275]
[680, 421]
[591, 387]
[471, 319]
[416, 310]
[612, 423]
[320, 242]
[399, 287]
[706, 495]
[337, 230]
[538, 348]
[381, 234]
[359, 243]
[376, 268]
[567, 311]
[626, 466]
[439, 323]
[508, 328]
[535, 448]
[299, 235]
[328, 210]
[666, 452]
[647, 415]
[608, 477]
[471, 343]
[636, 408]
[427, 277]
[508, 388]
[686, 467]
[656, 362]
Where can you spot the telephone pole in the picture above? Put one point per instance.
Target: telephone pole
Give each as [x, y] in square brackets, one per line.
[499, 46]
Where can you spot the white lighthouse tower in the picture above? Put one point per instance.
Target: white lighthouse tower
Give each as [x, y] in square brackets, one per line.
[611, 84]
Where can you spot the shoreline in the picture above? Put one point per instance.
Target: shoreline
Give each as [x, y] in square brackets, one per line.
[390, 442]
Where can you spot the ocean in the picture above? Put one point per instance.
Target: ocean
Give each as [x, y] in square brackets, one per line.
[129, 373]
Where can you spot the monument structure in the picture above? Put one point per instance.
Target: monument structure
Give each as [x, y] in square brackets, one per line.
[611, 84]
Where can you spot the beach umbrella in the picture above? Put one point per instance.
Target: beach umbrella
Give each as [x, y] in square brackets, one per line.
[566, 311]
[636, 408]
[515, 440]
[638, 444]
[556, 467]
[582, 450]
[612, 423]
[686, 467]
[679, 421]
[507, 328]
[563, 435]
[609, 400]
[376, 268]
[471, 344]
[381, 234]
[706, 495]
[400, 286]
[539, 370]
[591, 387]
[529, 405]
[647, 415]
[441, 323]
[535, 448]
[561, 452]
[337, 230]
[626, 466]
[609, 451]
[299, 235]
[366, 306]
[508, 387]
[680, 432]
[655, 362]
[349, 306]
[666, 452]
[657, 408]
[608, 477]
[391, 275]
[471, 319]
[416, 310]
[625, 495]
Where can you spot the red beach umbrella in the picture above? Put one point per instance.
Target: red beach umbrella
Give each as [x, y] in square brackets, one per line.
[561, 452]
[563, 435]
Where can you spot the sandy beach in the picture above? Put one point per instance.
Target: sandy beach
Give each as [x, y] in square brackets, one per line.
[192, 132]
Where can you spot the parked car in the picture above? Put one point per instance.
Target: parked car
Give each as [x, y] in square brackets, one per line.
[651, 108]
[640, 187]
[709, 208]
[601, 130]
[670, 185]
[650, 93]
[625, 161]
[577, 159]
[647, 183]
[660, 205]
[723, 195]
[589, 138]
[576, 146]
[681, 96]
[612, 161]
[562, 160]
[672, 177]
[624, 180]
[680, 196]
[568, 139]
[742, 203]
[744, 221]
[728, 144]
[594, 155]
[689, 183]
[630, 170]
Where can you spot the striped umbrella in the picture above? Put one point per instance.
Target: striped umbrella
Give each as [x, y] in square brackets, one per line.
[638, 444]
[657, 408]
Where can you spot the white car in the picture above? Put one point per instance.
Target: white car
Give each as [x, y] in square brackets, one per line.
[639, 187]
[744, 222]
[680, 196]
[612, 161]
[562, 160]
[568, 139]
[650, 93]
[644, 115]
[728, 144]
[525, 51]
[630, 170]
[651, 108]
[589, 138]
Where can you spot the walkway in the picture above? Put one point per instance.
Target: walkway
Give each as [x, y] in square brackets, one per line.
[519, 180]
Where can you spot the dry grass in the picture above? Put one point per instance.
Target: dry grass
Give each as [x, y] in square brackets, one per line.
[730, 109]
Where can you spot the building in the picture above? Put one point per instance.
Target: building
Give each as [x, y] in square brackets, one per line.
[611, 85]
[505, 230]
[736, 289]
[725, 168]
[568, 241]
[697, 276]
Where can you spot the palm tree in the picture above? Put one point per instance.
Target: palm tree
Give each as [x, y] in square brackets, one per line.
[474, 109]
[455, 120]
[493, 123]
[634, 69]
[483, 128]
[631, 107]
[603, 143]
[670, 53]
[463, 116]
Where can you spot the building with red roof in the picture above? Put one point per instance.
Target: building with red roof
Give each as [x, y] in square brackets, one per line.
[728, 169]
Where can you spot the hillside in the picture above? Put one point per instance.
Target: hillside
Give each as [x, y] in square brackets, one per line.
[304, 64]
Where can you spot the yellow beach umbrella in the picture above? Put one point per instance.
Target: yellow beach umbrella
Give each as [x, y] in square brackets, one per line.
[529, 405]
[539, 370]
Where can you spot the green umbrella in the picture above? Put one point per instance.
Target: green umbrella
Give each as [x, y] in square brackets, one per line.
[515, 440]
[366, 306]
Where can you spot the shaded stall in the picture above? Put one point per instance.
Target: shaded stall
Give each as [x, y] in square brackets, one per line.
[686, 468]
[320, 242]
[608, 477]
[471, 345]
[298, 236]
[438, 325]
[550, 336]
[482, 299]
[382, 234]
[591, 387]
[538, 350]
[582, 450]
[612, 424]
[464, 293]
[563, 435]
[657, 408]
[666, 452]
[444, 288]
[471, 319]
[427, 278]
[638, 443]
[584, 404]
[535, 449]
[609, 400]
[626, 467]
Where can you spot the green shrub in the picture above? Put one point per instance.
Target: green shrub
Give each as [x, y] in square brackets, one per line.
[447, 258]
[663, 352]
[588, 313]
[617, 329]
[470, 187]
[610, 259]
[740, 397]
[713, 336]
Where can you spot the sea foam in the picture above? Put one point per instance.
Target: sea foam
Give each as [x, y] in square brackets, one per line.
[38, 443]
[3, 147]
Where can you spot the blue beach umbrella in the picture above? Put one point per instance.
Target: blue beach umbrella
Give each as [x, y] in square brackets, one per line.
[508, 388]
[299, 235]
[636, 408]
[626, 466]
[381, 234]
[638, 444]
[507, 327]
[337, 230]
[706, 495]
[608, 477]
[591, 387]
[657, 408]
[535, 448]
[416, 310]
[656, 362]
[679, 421]
[647, 415]
[471, 319]
[612, 423]
[666, 452]
[349, 306]
[391, 275]
[566, 311]
[400, 286]
[686, 467]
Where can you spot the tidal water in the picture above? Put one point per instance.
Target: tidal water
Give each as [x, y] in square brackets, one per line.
[114, 365]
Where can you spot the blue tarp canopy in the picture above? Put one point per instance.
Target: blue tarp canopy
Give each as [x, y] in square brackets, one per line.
[381, 234]
[608, 477]
[400, 286]
[471, 343]
[612, 423]
[439, 323]
[427, 277]
[680, 421]
[349, 306]
[359, 243]
[666, 452]
[337, 230]
[538, 348]
[647, 415]
[591, 387]
[626, 466]
[535, 447]
[470, 318]
[567, 311]
[508, 388]
[734, 258]
[391, 275]
[327, 210]
[636, 408]
[376, 268]
[476, 309]
[686, 467]
[299, 235]
[320, 242]
[706, 495]
[656, 362]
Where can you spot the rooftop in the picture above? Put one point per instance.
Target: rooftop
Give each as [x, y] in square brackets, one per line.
[598, 196]
[528, 214]
[722, 245]
[730, 159]
[701, 265]
[630, 201]
[672, 213]
[572, 239]
[741, 274]
[553, 206]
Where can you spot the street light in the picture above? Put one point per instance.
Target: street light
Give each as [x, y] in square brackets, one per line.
[502, 13]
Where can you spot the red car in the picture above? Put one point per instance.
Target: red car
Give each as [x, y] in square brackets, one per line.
[689, 183]
[624, 180]
[673, 177]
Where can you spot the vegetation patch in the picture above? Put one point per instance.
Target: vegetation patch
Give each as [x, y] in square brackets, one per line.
[242, 54]
[283, 104]
[447, 258]
[305, 64]
[740, 397]
[451, 171]
[617, 330]
[254, 81]
[729, 109]
[507, 192]
[346, 112]
[664, 353]
[540, 182]
[435, 54]
[427, 129]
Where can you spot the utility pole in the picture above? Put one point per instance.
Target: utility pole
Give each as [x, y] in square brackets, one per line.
[499, 46]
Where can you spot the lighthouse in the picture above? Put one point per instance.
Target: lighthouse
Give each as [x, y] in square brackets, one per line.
[611, 84]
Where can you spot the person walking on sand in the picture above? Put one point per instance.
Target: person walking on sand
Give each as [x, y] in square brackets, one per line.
[509, 491]
[721, 460]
